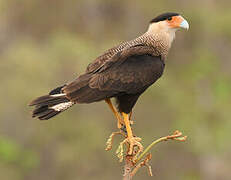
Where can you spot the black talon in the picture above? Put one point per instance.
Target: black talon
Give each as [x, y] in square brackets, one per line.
[123, 128]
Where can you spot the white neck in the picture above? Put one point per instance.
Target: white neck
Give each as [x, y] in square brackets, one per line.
[162, 31]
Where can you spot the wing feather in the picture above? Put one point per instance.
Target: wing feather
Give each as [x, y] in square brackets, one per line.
[129, 71]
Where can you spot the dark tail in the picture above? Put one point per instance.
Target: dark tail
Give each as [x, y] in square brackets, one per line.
[50, 105]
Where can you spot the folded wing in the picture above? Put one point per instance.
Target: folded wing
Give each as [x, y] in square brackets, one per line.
[128, 72]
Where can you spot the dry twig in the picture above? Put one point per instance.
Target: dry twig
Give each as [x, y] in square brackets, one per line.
[134, 163]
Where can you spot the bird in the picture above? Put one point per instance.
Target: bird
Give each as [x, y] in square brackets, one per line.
[123, 72]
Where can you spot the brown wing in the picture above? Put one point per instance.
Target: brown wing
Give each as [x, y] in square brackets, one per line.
[98, 62]
[130, 71]
[101, 60]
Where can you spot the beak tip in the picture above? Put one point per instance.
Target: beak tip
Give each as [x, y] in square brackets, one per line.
[184, 24]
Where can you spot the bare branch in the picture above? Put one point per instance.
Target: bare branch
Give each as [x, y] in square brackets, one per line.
[128, 168]
[132, 164]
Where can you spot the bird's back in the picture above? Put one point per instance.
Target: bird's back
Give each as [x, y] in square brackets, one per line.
[107, 55]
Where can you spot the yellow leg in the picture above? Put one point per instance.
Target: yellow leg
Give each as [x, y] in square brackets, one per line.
[133, 141]
[130, 115]
[115, 112]
[127, 124]
[130, 118]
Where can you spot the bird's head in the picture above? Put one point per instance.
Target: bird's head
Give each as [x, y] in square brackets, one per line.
[167, 23]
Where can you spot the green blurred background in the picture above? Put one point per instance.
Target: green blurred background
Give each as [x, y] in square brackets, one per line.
[44, 43]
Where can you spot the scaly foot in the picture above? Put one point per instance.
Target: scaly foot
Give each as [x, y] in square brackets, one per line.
[135, 147]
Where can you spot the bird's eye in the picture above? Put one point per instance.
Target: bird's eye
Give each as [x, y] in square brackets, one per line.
[170, 18]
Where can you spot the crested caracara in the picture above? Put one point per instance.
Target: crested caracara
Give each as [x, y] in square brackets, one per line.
[123, 72]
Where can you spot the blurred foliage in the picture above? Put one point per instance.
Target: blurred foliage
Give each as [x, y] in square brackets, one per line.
[43, 44]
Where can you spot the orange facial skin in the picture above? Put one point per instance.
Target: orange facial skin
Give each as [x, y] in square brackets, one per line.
[175, 21]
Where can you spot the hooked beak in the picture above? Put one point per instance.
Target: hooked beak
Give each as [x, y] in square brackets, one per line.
[178, 22]
[184, 24]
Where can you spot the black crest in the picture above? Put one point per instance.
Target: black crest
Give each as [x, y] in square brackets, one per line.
[163, 17]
